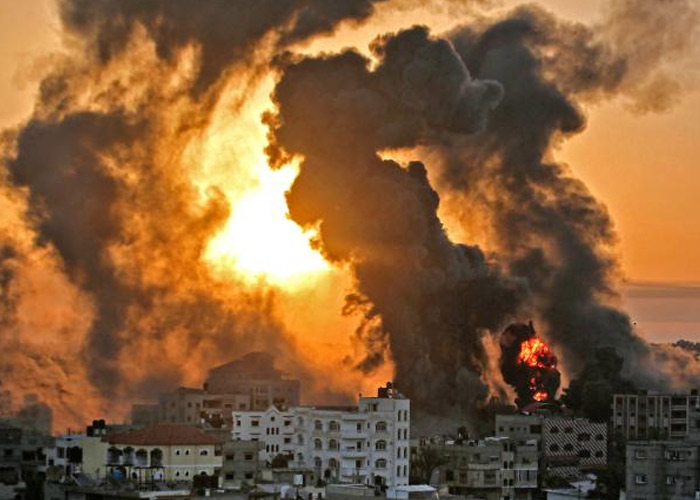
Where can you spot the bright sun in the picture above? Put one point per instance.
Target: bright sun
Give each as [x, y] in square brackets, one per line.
[259, 240]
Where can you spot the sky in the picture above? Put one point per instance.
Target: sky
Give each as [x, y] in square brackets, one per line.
[643, 167]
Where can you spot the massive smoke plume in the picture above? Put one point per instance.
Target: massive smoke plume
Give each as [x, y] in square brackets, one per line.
[104, 291]
[422, 296]
[105, 170]
[427, 301]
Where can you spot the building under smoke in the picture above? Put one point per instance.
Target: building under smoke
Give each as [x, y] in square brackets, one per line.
[109, 201]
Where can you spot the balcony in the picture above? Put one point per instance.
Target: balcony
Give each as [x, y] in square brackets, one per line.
[354, 453]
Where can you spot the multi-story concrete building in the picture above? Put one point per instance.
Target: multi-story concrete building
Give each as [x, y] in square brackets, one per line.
[195, 406]
[520, 427]
[22, 455]
[493, 469]
[652, 415]
[660, 470]
[254, 375]
[249, 383]
[66, 455]
[241, 464]
[162, 452]
[368, 443]
[569, 446]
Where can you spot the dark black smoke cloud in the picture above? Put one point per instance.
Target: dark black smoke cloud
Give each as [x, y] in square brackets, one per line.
[424, 298]
[551, 244]
[546, 225]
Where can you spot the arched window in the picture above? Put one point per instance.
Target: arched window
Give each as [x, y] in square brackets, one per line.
[333, 464]
[318, 425]
[380, 463]
[114, 455]
[380, 445]
[203, 453]
[333, 426]
[333, 445]
[318, 444]
[128, 456]
[141, 458]
[381, 426]
[156, 457]
[318, 463]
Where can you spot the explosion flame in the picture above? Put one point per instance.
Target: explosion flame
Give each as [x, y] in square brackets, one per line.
[528, 364]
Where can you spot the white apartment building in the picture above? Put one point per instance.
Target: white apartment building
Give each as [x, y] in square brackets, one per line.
[367, 443]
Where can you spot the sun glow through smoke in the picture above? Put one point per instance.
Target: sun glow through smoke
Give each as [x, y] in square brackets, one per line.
[259, 240]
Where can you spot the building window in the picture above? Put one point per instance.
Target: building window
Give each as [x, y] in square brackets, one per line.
[230, 456]
[318, 463]
[333, 464]
[229, 476]
[203, 453]
[568, 447]
[640, 454]
[380, 445]
[380, 463]
[248, 456]
[380, 427]
[640, 478]
[300, 439]
[255, 423]
[318, 444]
[318, 425]
[333, 426]
[554, 448]
[333, 445]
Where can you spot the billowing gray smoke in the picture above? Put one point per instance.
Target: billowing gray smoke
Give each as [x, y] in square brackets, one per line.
[102, 172]
[426, 301]
[545, 224]
[103, 163]
[423, 297]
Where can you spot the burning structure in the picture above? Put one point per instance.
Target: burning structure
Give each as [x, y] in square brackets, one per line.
[528, 365]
